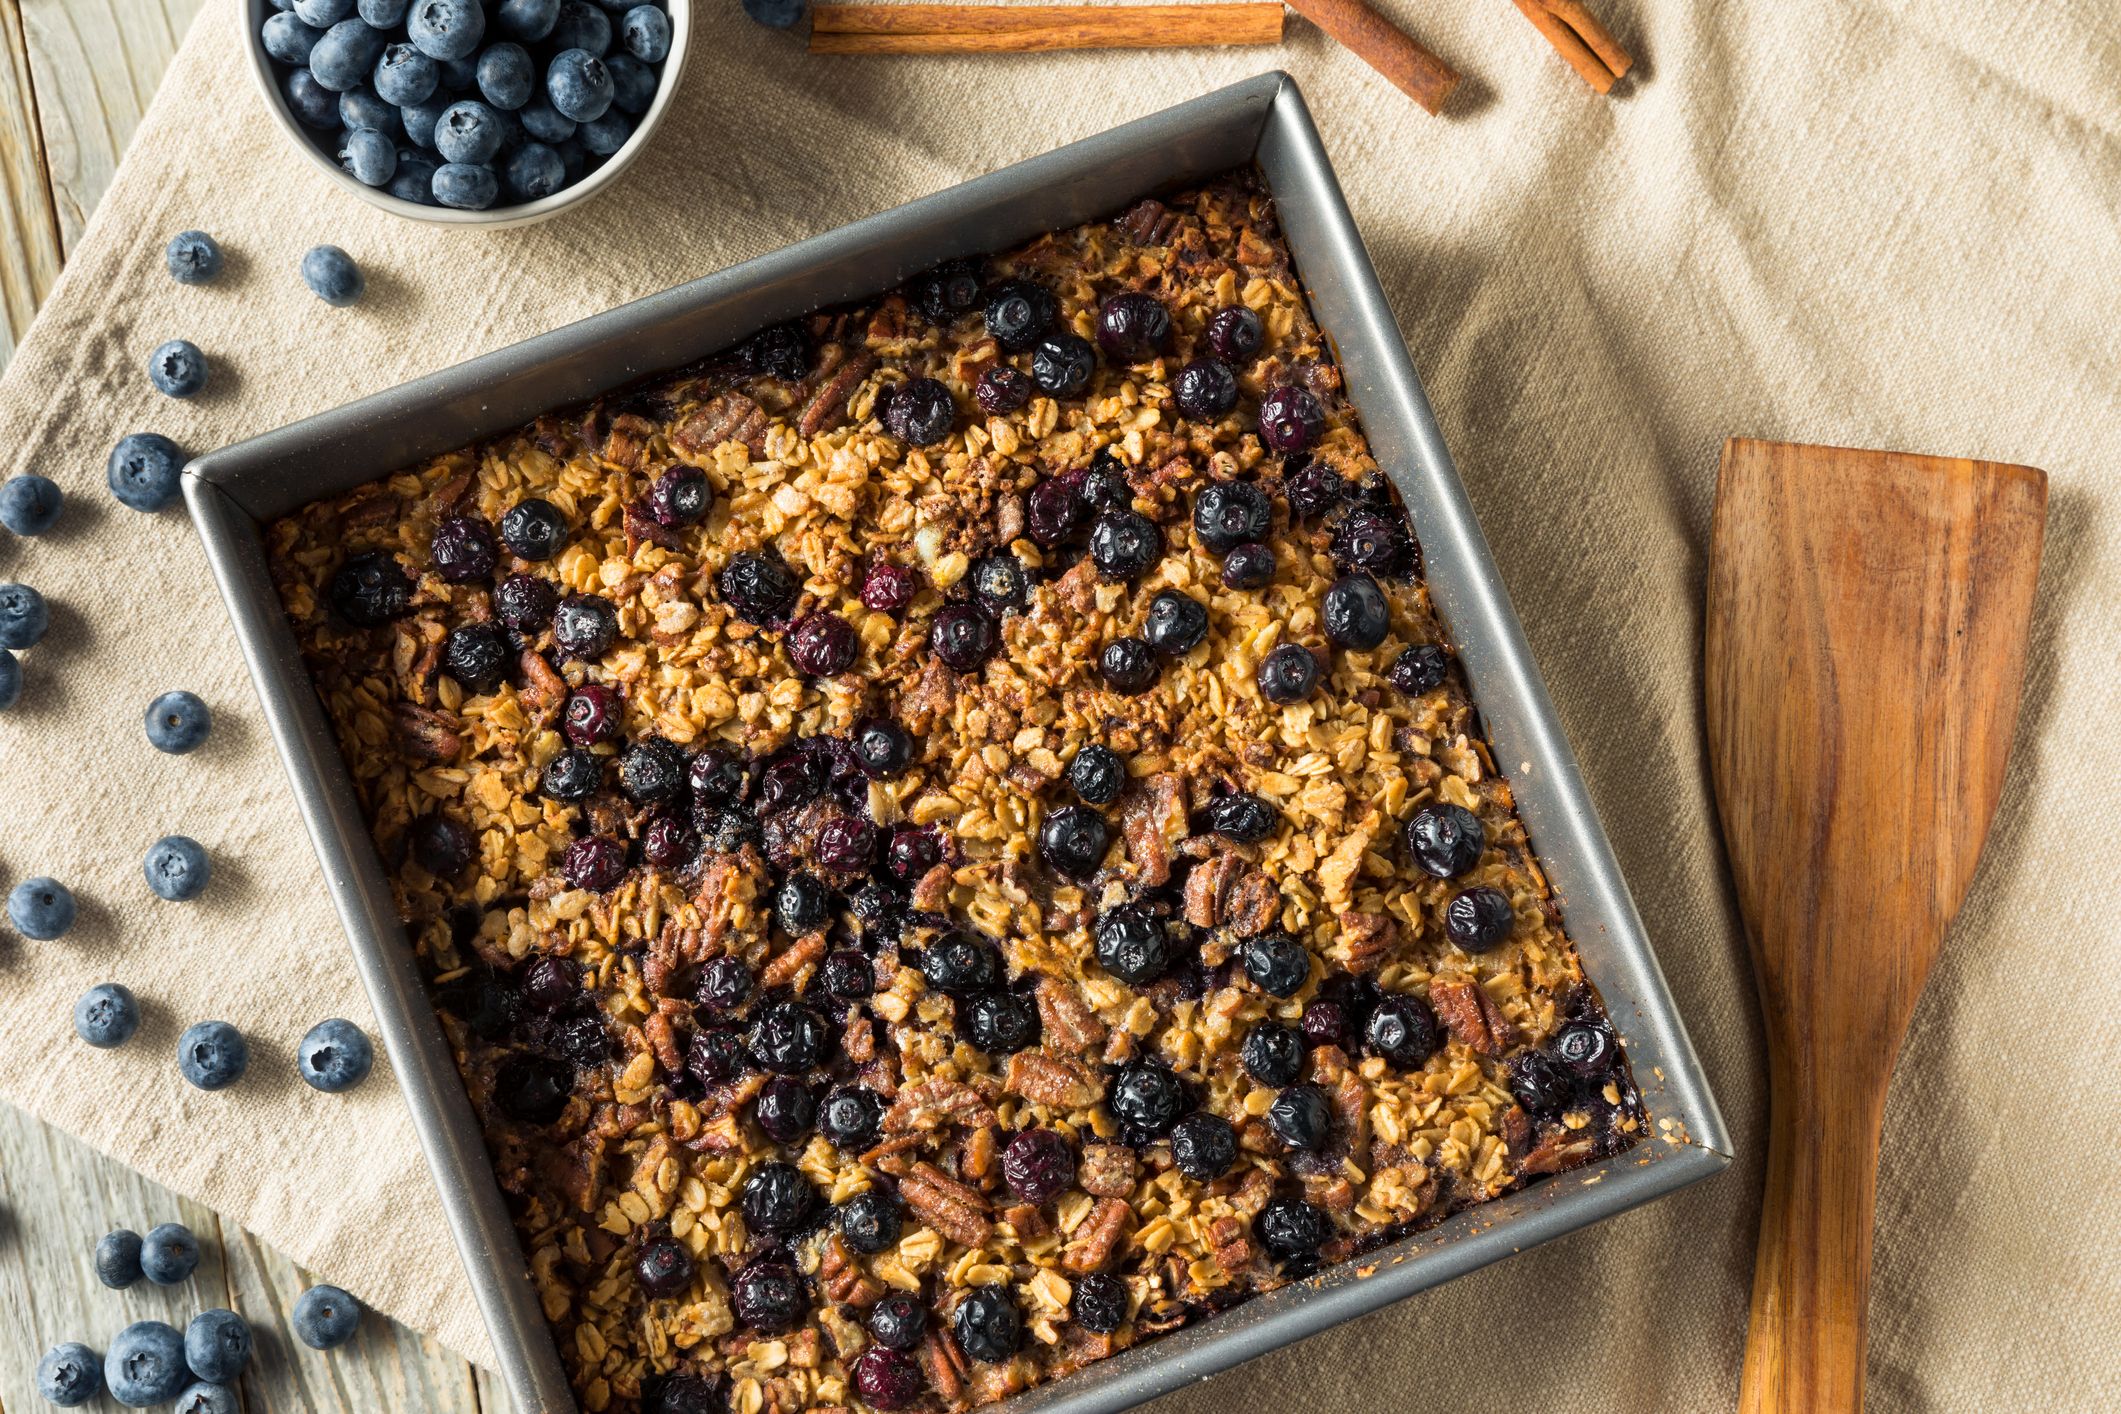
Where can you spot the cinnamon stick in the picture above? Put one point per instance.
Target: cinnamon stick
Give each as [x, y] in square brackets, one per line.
[980, 29]
[1578, 37]
[1385, 47]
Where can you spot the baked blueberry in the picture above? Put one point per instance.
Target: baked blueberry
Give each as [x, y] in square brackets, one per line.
[325, 1317]
[1585, 1047]
[1128, 666]
[1203, 1145]
[69, 1375]
[29, 503]
[1290, 419]
[1227, 514]
[1356, 614]
[883, 1378]
[959, 965]
[1312, 488]
[1241, 817]
[585, 626]
[680, 1393]
[1325, 1022]
[463, 549]
[534, 529]
[769, 1296]
[477, 656]
[998, 583]
[852, 1117]
[118, 1258]
[723, 984]
[1038, 1165]
[1124, 545]
[680, 496]
[572, 776]
[790, 781]
[898, 1321]
[107, 1015]
[1542, 1084]
[143, 471]
[1277, 964]
[1479, 918]
[551, 984]
[217, 1345]
[920, 412]
[1131, 944]
[719, 777]
[776, 1198]
[1236, 333]
[663, 1267]
[1147, 1098]
[1099, 1303]
[145, 1364]
[964, 637]
[1017, 312]
[1272, 1054]
[911, 852]
[780, 351]
[1205, 389]
[1001, 1023]
[785, 1109]
[883, 748]
[593, 862]
[1175, 624]
[945, 292]
[332, 275]
[822, 645]
[1444, 839]
[591, 714]
[1248, 566]
[1133, 326]
[41, 908]
[871, 1223]
[669, 842]
[533, 1089]
[787, 1038]
[1062, 364]
[1402, 1030]
[802, 904]
[1072, 841]
[1289, 673]
[888, 588]
[1299, 1117]
[211, 1055]
[1096, 774]
[846, 844]
[1420, 669]
[1376, 541]
[759, 588]
[169, 1254]
[371, 589]
[1292, 1230]
[1003, 389]
[714, 1055]
[178, 722]
[1054, 511]
[987, 1324]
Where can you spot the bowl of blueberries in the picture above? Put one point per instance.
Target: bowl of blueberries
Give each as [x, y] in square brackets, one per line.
[469, 112]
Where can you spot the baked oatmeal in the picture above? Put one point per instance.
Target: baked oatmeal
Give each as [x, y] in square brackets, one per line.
[949, 839]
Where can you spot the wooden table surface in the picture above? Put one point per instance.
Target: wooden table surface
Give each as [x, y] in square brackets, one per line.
[75, 76]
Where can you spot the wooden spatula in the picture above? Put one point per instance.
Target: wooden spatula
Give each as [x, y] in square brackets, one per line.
[1867, 617]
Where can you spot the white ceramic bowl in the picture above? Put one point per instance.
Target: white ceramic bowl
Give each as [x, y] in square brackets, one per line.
[253, 13]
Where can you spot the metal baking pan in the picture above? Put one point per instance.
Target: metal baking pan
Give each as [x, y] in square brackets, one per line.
[233, 492]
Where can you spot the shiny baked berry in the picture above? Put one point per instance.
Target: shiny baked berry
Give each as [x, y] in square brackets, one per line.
[1133, 325]
[1299, 1117]
[758, 588]
[911, 852]
[846, 975]
[1131, 944]
[370, 590]
[1403, 1030]
[1054, 511]
[724, 983]
[552, 983]
[779, 351]
[785, 1109]
[1203, 1145]
[1542, 1084]
[582, 1039]
[963, 637]
[786, 1038]
[593, 862]
[920, 412]
[533, 529]
[1128, 666]
[1376, 541]
[1147, 1098]
[822, 645]
[886, 1379]
[1290, 419]
[959, 965]
[987, 1324]
[1236, 333]
[1227, 514]
[1249, 566]
[1356, 614]
[571, 776]
[1096, 774]
[846, 844]
[1420, 669]
[792, 780]
[898, 1321]
[525, 603]
[1585, 1047]
[1313, 489]
[1001, 1023]
[1099, 1303]
[680, 496]
[1277, 964]
[669, 842]
[1272, 1054]
[883, 747]
[852, 1117]
[1241, 817]
[871, 1223]
[802, 904]
[1287, 674]
[488, 1007]
[652, 770]
[1072, 841]
[585, 626]
[1063, 364]
[1325, 1022]
[1175, 624]
[592, 714]
[663, 1266]
[719, 777]
[1038, 1165]
[888, 588]
[776, 1198]
[463, 549]
[1124, 545]
[1479, 918]
[477, 656]
[945, 292]
[998, 583]
[682, 1394]
[1445, 840]
[533, 1089]
[1003, 389]
[1205, 389]
[442, 846]
[715, 1055]
[1292, 1230]
[769, 1297]
[1017, 312]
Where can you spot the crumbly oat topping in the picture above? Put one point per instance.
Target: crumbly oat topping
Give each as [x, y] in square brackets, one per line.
[673, 898]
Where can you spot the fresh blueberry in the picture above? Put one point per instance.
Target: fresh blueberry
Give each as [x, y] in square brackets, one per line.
[334, 1056]
[414, 178]
[1479, 918]
[582, 26]
[368, 157]
[534, 171]
[212, 1055]
[118, 1258]
[29, 503]
[633, 83]
[313, 105]
[506, 76]
[460, 76]
[606, 135]
[776, 14]
[70, 1375]
[382, 14]
[579, 85]
[106, 1015]
[177, 368]
[217, 1345]
[645, 31]
[1277, 964]
[469, 131]
[1205, 389]
[465, 186]
[1176, 623]
[446, 29]
[145, 1364]
[1249, 566]
[546, 123]
[177, 868]
[988, 1325]
[1288, 674]
[527, 20]
[574, 158]
[10, 680]
[404, 76]
[332, 275]
[362, 108]
[346, 54]
[1124, 544]
[144, 471]
[321, 13]
[419, 119]
[203, 1397]
[325, 1316]
[41, 908]
[288, 39]
[169, 1254]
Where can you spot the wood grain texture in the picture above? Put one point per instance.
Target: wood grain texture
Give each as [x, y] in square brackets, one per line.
[30, 244]
[1866, 629]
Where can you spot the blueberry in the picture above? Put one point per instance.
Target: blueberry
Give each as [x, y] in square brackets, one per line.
[211, 1055]
[785, 1109]
[1292, 1230]
[769, 1296]
[546, 123]
[912, 852]
[645, 31]
[506, 77]
[145, 1364]
[1147, 1098]
[313, 105]
[419, 119]
[987, 1324]
[534, 172]
[445, 29]
[288, 39]
[1099, 1303]
[1227, 514]
[336, 1055]
[106, 1015]
[177, 368]
[960, 966]
[203, 1397]
[1241, 817]
[1272, 1054]
[469, 132]
[1356, 614]
[325, 1316]
[343, 58]
[321, 13]
[1299, 1117]
[371, 589]
[1289, 673]
[579, 85]
[143, 471]
[682, 1394]
[1376, 541]
[169, 1254]
[1097, 775]
[886, 1379]
[1133, 326]
[527, 20]
[1018, 312]
[1403, 1030]
[1205, 389]
[846, 844]
[118, 1258]
[10, 680]
[1002, 389]
[1479, 918]
[888, 588]
[852, 1118]
[802, 904]
[69, 1375]
[1540, 1083]
[1038, 1165]
[442, 846]
[363, 108]
[1248, 566]
[719, 777]
[217, 1345]
[593, 862]
[1124, 545]
[963, 637]
[1055, 509]
[1445, 840]
[760, 589]
[1072, 840]
[477, 656]
[775, 14]
[1128, 666]
[822, 645]
[1131, 945]
[1277, 964]
[715, 1055]
[1204, 1145]
[652, 769]
[663, 1267]
[534, 529]
[871, 1223]
[780, 351]
[29, 503]
[633, 83]
[776, 1198]
[1585, 1047]
[461, 75]
[41, 908]
[1062, 364]
[585, 626]
[368, 157]
[1420, 669]
[383, 14]
[898, 1321]
[1001, 1023]
[177, 868]
[413, 180]
[1236, 333]
[1290, 419]
[1176, 623]
[332, 275]
[786, 1038]
[883, 748]
[580, 25]
[920, 412]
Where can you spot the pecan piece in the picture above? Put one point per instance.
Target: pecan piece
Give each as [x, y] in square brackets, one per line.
[1152, 815]
[644, 529]
[1070, 1025]
[932, 893]
[839, 376]
[1227, 888]
[1369, 937]
[858, 1041]
[1097, 1237]
[1049, 1080]
[1026, 1221]
[726, 417]
[933, 1103]
[843, 1278]
[952, 1209]
[662, 1039]
[427, 734]
[1229, 1245]
[627, 439]
[542, 686]
[930, 699]
[797, 960]
[944, 1367]
[1470, 1014]
[1107, 1170]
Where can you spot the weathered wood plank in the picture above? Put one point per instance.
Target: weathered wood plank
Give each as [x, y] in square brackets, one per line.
[30, 242]
[493, 1394]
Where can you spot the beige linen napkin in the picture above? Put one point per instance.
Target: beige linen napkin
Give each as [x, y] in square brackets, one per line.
[1886, 224]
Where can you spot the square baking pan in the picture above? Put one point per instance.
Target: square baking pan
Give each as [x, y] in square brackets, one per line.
[232, 493]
